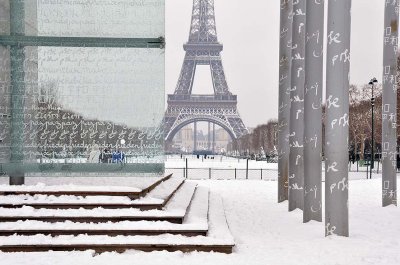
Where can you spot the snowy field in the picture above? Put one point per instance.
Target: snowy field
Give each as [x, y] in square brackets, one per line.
[265, 233]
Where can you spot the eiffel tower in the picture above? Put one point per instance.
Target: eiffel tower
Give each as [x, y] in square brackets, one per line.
[219, 108]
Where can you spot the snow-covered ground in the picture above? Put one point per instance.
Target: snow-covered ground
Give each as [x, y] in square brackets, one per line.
[266, 233]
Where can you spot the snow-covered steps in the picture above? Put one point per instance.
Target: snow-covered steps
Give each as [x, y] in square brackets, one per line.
[194, 224]
[159, 196]
[218, 238]
[174, 211]
[156, 198]
[75, 190]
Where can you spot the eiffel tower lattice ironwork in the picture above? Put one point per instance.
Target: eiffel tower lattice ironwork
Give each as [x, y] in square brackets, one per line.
[219, 108]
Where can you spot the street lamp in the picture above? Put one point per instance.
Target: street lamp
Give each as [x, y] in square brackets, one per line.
[372, 83]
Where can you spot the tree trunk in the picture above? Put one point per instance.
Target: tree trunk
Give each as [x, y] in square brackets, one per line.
[362, 149]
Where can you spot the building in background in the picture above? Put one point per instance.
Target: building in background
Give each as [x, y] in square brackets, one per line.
[184, 140]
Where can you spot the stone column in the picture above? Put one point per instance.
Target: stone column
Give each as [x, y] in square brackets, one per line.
[337, 118]
[285, 58]
[389, 103]
[313, 111]
[296, 126]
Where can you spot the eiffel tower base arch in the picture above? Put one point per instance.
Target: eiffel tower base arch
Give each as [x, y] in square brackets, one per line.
[219, 108]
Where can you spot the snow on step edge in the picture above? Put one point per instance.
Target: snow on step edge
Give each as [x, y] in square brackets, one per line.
[157, 196]
[196, 219]
[176, 207]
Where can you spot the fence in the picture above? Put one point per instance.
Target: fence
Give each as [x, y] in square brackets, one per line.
[217, 169]
[364, 165]
[224, 173]
[243, 171]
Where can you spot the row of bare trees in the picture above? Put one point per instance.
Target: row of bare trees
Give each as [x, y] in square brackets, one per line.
[264, 137]
[262, 140]
[360, 123]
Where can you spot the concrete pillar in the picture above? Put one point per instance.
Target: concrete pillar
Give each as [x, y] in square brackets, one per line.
[313, 111]
[296, 127]
[389, 103]
[285, 58]
[337, 118]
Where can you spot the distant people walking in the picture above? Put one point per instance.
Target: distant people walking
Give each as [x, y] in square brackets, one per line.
[105, 156]
[118, 157]
[94, 154]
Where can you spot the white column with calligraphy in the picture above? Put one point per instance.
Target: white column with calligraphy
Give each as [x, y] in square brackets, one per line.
[313, 111]
[296, 127]
[337, 118]
[285, 58]
[389, 103]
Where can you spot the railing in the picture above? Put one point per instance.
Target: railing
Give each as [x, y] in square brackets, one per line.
[217, 169]
[224, 173]
[201, 98]
[250, 174]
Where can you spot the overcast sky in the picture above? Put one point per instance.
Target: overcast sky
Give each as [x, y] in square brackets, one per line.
[249, 31]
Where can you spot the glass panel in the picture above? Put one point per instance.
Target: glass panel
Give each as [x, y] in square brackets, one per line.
[70, 109]
[105, 18]
[98, 18]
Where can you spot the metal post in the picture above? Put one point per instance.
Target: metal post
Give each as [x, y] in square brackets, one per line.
[313, 111]
[337, 118]
[209, 173]
[372, 164]
[247, 168]
[187, 176]
[389, 103]
[296, 127]
[17, 59]
[285, 58]
[261, 174]
[372, 133]
[235, 173]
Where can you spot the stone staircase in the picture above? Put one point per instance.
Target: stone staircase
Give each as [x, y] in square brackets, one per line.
[169, 214]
